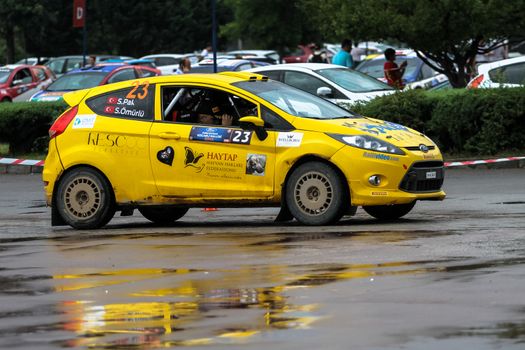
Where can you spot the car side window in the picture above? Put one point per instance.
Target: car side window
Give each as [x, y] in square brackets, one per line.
[303, 81]
[73, 63]
[272, 74]
[144, 73]
[427, 71]
[40, 74]
[135, 102]
[123, 75]
[512, 74]
[24, 76]
[273, 121]
[57, 65]
[165, 61]
[244, 66]
[192, 104]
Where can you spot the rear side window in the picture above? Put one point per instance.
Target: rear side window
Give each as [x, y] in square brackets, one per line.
[123, 75]
[512, 74]
[135, 102]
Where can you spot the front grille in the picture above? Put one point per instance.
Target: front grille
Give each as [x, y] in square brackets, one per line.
[416, 148]
[417, 177]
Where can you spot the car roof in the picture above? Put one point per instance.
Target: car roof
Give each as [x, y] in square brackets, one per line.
[252, 52]
[173, 55]
[297, 66]
[485, 67]
[106, 68]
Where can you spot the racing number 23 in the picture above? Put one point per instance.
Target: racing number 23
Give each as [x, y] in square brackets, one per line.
[240, 136]
[138, 94]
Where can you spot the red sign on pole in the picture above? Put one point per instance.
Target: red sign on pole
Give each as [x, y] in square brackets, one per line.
[79, 13]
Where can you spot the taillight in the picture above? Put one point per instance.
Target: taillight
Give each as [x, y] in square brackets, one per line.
[476, 82]
[62, 122]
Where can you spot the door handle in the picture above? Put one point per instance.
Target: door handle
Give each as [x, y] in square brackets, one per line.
[169, 136]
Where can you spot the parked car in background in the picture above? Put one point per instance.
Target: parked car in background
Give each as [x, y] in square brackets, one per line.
[503, 73]
[168, 63]
[418, 75]
[85, 78]
[33, 61]
[299, 55]
[336, 83]
[18, 81]
[206, 66]
[63, 64]
[268, 56]
[134, 62]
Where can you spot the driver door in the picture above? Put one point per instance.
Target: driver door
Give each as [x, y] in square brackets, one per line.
[199, 161]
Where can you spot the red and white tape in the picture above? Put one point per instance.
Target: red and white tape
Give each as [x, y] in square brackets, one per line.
[487, 161]
[14, 161]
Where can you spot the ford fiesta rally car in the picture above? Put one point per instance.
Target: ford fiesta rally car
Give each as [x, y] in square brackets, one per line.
[140, 144]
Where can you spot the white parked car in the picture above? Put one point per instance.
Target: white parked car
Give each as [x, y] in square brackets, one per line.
[169, 62]
[269, 56]
[336, 83]
[503, 73]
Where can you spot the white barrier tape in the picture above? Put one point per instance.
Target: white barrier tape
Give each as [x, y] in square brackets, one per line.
[14, 161]
[475, 162]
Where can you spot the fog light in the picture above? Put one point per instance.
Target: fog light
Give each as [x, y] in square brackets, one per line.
[375, 180]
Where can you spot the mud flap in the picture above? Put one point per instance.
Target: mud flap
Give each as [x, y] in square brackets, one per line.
[56, 219]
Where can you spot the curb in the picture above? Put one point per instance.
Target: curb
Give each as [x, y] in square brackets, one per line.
[27, 166]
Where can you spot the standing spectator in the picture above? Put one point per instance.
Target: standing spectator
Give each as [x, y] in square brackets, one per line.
[184, 66]
[318, 55]
[91, 61]
[205, 52]
[393, 72]
[356, 53]
[343, 57]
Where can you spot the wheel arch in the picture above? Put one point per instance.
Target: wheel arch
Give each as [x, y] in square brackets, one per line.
[314, 158]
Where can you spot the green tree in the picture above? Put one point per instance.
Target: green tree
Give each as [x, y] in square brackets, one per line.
[448, 32]
[270, 24]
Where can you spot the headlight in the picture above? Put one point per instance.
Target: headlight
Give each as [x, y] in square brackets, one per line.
[367, 142]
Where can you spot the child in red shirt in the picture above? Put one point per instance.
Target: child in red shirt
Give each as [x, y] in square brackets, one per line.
[393, 72]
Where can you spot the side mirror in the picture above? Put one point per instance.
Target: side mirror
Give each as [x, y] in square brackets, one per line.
[256, 124]
[325, 92]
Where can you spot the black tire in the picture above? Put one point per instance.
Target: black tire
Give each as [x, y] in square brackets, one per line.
[84, 199]
[163, 215]
[316, 195]
[389, 212]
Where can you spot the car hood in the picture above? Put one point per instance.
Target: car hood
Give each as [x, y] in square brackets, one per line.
[396, 134]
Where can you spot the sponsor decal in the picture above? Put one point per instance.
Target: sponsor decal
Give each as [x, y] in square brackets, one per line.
[256, 164]
[84, 121]
[120, 101]
[119, 144]
[429, 156]
[289, 139]
[379, 193]
[166, 155]
[222, 135]
[380, 156]
[192, 160]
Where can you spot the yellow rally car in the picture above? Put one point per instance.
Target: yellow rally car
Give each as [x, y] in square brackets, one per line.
[141, 144]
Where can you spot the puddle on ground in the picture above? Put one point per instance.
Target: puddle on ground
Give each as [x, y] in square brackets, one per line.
[146, 308]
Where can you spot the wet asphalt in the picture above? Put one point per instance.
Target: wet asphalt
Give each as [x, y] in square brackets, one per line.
[450, 275]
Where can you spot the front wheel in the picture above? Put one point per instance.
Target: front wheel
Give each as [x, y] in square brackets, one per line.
[389, 212]
[315, 194]
[163, 215]
[84, 199]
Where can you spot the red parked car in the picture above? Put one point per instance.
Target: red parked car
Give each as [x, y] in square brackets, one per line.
[300, 55]
[19, 82]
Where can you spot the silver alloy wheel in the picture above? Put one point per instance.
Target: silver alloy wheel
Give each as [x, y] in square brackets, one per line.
[82, 198]
[313, 193]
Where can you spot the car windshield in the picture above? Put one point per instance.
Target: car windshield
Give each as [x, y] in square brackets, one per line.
[4, 75]
[294, 101]
[374, 68]
[77, 81]
[352, 80]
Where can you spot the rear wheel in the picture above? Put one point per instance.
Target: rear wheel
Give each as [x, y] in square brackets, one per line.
[163, 215]
[84, 199]
[315, 194]
[389, 212]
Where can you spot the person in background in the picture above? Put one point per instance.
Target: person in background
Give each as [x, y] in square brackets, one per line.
[343, 57]
[393, 72]
[184, 66]
[318, 55]
[91, 61]
[206, 51]
[356, 53]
